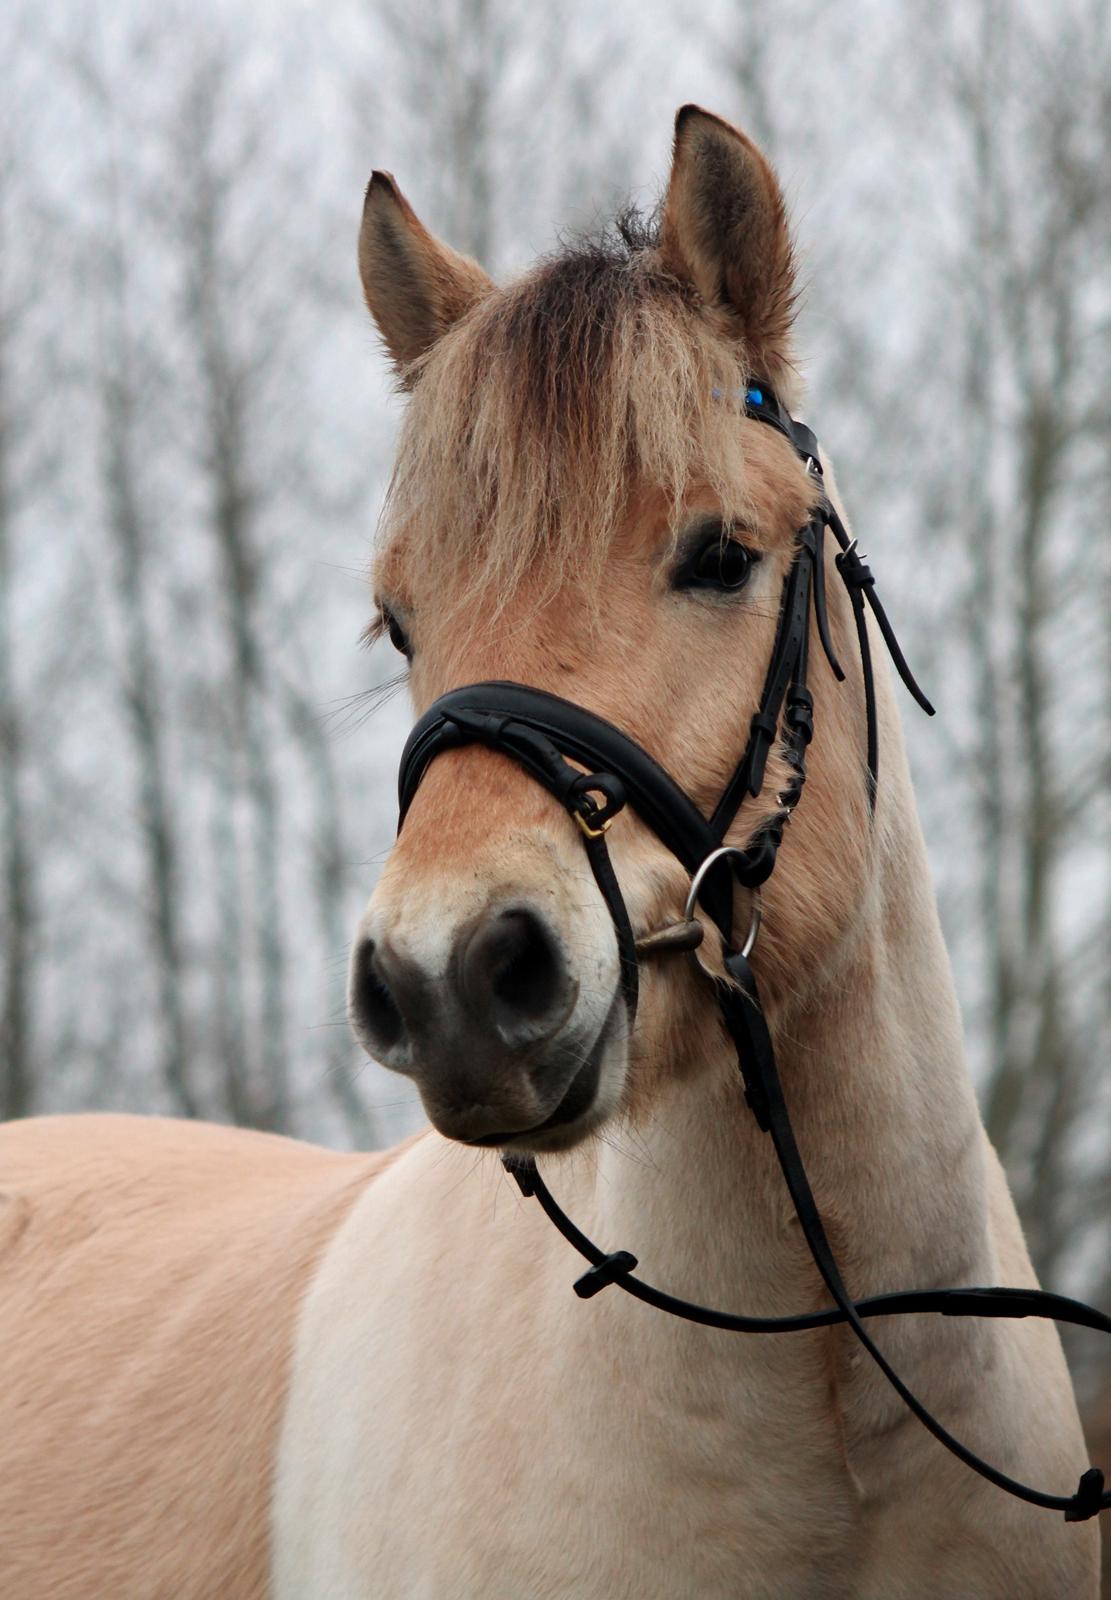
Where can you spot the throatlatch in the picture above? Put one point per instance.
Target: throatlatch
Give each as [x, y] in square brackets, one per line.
[545, 735]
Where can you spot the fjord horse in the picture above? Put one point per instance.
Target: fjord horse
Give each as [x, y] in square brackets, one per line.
[236, 1366]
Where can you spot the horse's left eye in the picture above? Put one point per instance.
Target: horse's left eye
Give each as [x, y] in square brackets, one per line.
[716, 562]
[398, 637]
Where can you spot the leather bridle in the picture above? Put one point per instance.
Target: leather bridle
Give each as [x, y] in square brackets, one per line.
[545, 734]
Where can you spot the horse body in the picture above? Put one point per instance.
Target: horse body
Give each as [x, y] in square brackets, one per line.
[443, 1418]
[151, 1276]
[235, 1366]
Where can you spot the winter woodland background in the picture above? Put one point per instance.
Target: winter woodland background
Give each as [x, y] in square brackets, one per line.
[196, 760]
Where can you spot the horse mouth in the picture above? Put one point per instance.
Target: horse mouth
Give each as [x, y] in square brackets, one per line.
[557, 1131]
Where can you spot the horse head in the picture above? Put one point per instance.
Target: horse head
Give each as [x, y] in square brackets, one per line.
[582, 504]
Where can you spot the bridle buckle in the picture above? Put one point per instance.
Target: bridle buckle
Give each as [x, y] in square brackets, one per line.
[584, 821]
[592, 818]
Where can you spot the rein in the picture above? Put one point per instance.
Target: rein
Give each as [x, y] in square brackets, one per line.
[544, 734]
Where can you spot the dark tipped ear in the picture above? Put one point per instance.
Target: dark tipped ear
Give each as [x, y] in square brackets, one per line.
[725, 231]
[415, 286]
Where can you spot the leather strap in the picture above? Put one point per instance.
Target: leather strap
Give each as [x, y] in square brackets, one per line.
[512, 718]
[744, 1018]
[545, 735]
[484, 714]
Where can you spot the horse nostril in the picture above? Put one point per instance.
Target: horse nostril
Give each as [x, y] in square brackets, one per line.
[512, 974]
[526, 970]
[372, 1002]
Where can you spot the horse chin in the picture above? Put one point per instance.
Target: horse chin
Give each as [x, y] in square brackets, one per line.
[589, 1099]
[552, 1136]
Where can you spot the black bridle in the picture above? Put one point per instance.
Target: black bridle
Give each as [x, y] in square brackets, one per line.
[545, 735]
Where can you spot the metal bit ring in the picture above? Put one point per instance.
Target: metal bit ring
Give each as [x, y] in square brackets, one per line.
[696, 885]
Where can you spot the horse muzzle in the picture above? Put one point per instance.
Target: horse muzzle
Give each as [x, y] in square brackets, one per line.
[490, 1020]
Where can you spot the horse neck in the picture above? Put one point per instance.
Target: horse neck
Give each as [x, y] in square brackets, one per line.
[874, 1074]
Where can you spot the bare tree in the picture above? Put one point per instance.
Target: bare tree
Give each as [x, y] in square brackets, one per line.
[18, 914]
[1035, 213]
[466, 89]
[124, 382]
[250, 288]
[330, 858]
[234, 359]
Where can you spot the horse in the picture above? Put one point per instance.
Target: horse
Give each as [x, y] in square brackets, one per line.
[236, 1365]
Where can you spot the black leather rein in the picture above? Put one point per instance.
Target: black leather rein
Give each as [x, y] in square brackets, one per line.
[545, 735]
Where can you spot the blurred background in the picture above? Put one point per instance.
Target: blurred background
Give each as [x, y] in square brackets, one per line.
[196, 758]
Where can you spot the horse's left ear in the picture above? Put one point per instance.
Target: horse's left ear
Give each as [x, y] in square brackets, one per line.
[725, 231]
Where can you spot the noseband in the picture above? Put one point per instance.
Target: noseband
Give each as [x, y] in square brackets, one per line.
[545, 734]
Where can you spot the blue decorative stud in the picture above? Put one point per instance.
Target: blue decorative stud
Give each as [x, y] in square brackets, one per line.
[754, 397]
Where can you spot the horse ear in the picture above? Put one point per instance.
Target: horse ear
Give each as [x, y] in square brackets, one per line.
[415, 286]
[725, 231]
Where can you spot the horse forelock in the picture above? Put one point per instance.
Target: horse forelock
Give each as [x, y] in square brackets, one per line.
[534, 420]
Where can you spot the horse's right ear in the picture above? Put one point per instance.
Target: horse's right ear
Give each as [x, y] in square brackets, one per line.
[415, 286]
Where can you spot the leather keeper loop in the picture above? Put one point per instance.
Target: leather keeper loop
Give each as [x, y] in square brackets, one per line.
[1088, 1499]
[617, 1265]
[581, 797]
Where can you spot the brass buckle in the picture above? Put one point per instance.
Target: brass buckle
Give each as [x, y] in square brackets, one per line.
[593, 833]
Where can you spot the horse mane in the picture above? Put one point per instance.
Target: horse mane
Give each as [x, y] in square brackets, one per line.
[533, 420]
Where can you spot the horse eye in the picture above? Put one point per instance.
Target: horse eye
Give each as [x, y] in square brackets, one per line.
[398, 637]
[717, 563]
